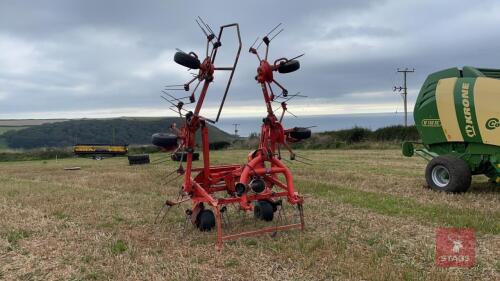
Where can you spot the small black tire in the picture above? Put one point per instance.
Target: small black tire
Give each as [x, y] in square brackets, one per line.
[164, 140]
[289, 66]
[138, 159]
[300, 133]
[449, 174]
[205, 220]
[187, 60]
[263, 210]
[182, 156]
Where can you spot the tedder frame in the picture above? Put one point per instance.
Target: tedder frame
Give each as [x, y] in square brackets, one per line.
[258, 184]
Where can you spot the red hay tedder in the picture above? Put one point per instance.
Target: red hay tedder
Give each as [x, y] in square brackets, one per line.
[264, 181]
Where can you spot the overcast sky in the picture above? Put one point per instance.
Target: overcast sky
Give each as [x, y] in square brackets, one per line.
[71, 59]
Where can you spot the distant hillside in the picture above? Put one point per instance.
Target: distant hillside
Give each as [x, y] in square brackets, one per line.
[28, 122]
[121, 130]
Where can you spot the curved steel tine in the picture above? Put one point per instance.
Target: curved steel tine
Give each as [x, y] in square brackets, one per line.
[174, 98]
[165, 214]
[258, 46]
[302, 162]
[208, 27]
[160, 211]
[254, 42]
[292, 113]
[159, 160]
[186, 222]
[304, 157]
[269, 33]
[202, 29]
[276, 35]
[297, 56]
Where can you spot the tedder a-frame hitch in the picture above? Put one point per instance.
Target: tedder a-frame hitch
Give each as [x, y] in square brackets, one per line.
[261, 184]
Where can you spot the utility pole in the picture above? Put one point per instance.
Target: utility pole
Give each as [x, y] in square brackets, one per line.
[236, 129]
[405, 91]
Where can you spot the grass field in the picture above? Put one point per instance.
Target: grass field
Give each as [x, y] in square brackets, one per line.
[368, 217]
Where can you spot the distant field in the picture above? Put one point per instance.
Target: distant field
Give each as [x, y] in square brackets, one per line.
[368, 217]
[28, 122]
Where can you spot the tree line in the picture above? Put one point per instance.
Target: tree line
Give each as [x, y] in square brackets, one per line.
[129, 131]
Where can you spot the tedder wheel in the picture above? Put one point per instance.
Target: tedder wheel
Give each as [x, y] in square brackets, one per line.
[300, 133]
[289, 66]
[187, 60]
[263, 210]
[182, 156]
[138, 159]
[164, 140]
[448, 173]
[206, 220]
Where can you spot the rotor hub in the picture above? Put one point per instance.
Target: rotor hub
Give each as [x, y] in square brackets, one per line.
[264, 72]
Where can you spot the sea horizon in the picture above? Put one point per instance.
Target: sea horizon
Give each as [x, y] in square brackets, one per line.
[319, 123]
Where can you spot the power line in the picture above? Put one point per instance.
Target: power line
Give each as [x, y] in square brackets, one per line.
[236, 129]
[405, 91]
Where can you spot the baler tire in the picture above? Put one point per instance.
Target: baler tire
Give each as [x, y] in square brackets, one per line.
[187, 60]
[457, 170]
[263, 210]
[206, 220]
[289, 66]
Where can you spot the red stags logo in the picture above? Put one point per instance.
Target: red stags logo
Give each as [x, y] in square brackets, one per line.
[455, 247]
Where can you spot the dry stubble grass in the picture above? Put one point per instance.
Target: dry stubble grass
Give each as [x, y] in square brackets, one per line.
[368, 218]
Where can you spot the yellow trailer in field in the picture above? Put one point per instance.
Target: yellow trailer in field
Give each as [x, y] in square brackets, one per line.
[97, 151]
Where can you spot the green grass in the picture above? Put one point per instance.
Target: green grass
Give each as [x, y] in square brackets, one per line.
[14, 236]
[119, 247]
[406, 207]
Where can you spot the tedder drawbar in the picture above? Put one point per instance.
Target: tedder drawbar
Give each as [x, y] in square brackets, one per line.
[260, 184]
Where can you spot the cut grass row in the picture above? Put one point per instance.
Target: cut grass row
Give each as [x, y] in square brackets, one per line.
[404, 207]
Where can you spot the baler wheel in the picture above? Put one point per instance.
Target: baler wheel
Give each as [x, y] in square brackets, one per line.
[449, 174]
[206, 220]
[187, 60]
[263, 210]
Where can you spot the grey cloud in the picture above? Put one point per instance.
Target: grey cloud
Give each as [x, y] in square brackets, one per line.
[86, 55]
